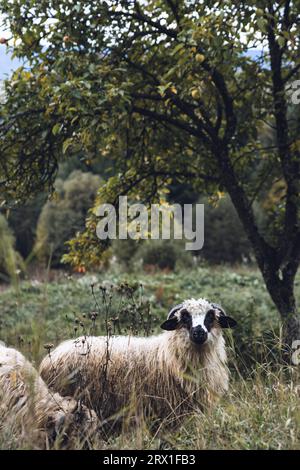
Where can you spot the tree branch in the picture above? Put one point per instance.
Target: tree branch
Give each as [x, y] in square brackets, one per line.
[164, 118]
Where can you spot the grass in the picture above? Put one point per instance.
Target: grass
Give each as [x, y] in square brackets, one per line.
[258, 413]
[261, 410]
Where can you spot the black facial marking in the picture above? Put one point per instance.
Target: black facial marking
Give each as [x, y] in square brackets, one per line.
[209, 319]
[186, 318]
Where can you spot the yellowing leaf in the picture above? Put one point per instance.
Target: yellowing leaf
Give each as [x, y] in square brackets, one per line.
[200, 58]
[66, 145]
[195, 94]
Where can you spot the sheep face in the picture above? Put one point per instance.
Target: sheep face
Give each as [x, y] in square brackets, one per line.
[200, 319]
[72, 421]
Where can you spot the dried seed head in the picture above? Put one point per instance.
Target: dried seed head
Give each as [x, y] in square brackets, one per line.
[48, 347]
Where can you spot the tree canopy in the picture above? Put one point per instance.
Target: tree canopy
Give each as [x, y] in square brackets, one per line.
[165, 89]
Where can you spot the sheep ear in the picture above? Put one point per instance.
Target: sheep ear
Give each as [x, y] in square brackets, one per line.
[223, 319]
[170, 324]
[218, 307]
[226, 322]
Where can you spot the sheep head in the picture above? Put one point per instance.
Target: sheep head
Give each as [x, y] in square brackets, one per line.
[72, 421]
[200, 319]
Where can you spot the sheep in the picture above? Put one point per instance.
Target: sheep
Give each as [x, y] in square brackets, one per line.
[27, 407]
[167, 376]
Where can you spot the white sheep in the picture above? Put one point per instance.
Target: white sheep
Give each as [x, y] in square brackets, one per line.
[27, 407]
[168, 375]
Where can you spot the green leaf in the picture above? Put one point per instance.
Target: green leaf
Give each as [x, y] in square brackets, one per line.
[281, 41]
[28, 38]
[262, 25]
[57, 128]
[163, 88]
[67, 143]
[177, 48]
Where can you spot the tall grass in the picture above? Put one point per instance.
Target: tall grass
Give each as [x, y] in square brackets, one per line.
[260, 412]
[261, 409]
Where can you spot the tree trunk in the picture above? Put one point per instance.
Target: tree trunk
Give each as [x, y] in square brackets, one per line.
[279, 280]
[291, 330]
[282, 294]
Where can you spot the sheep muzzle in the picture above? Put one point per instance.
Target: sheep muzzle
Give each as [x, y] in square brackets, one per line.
[198, 335]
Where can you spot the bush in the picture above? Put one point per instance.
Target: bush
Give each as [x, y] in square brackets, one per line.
[125, 251]
[159, 254]
[224, 238]
[23, 222]
[60, 219]
[10, 260]
[133, 254]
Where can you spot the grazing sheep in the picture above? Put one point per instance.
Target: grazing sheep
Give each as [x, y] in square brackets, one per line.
[167, 376]
[27, 407]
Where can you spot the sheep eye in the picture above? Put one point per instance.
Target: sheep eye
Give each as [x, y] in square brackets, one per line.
[185, 316]
[211, 313]
[209, 319]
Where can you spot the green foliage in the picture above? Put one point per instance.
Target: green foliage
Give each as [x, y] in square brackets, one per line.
[23, 221]
[62, 217]
[157, 108]
[160, 254]
[131, 255]
[125, 251]
[225, 240]
[44, 311]
[11, 263]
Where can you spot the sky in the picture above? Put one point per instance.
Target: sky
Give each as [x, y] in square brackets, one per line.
[6, 63]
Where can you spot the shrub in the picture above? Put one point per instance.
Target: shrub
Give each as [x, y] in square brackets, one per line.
[23, 221]
[10, 260]
[125, 251]
[224, 238]
[151, 254]
[60, 219]
[159, 254]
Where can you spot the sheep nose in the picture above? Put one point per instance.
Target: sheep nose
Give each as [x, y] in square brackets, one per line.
[198, 335]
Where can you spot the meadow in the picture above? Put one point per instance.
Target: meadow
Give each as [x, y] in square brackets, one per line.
[261, 409]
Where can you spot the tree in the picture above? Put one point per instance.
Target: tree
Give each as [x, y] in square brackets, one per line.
[169, 88]
[61, 218]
